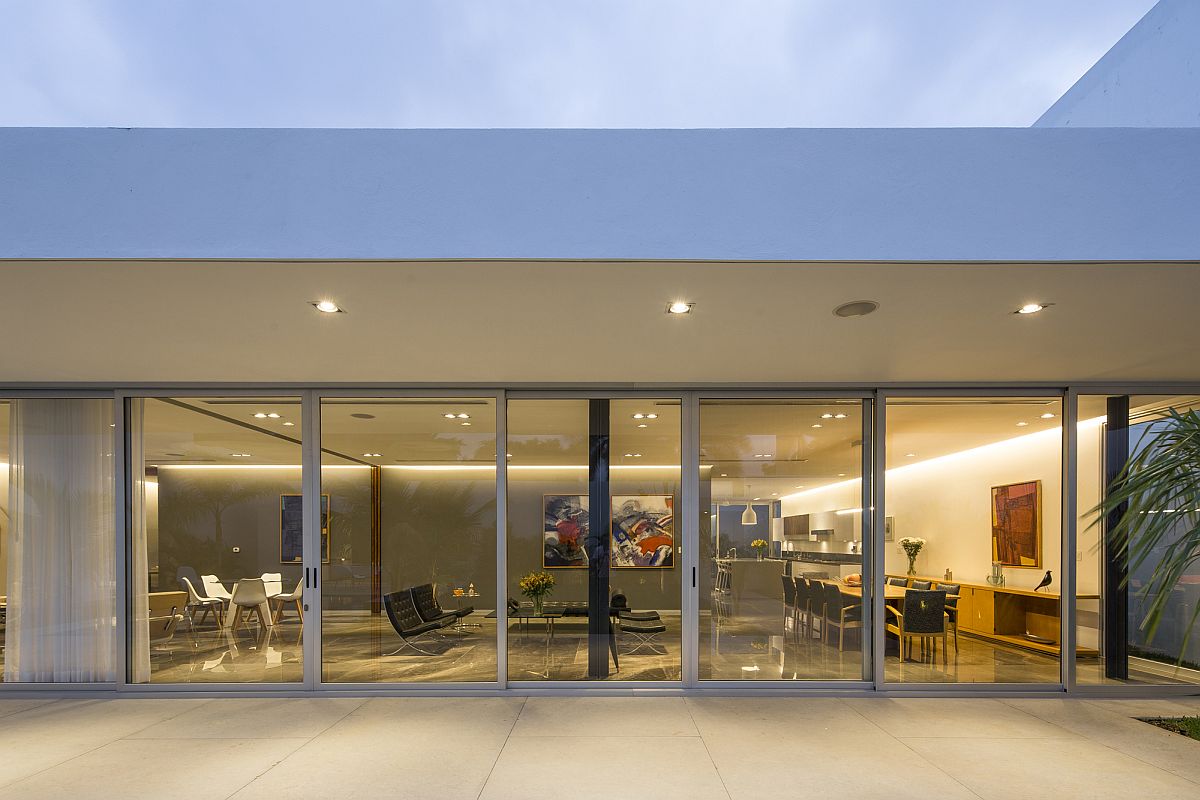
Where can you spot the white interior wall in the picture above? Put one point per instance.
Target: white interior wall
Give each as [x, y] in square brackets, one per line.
[947, 501]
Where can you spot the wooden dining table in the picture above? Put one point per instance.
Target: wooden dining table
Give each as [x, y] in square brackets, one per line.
[891, 594]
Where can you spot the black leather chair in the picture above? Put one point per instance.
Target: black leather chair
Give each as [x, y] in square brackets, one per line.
[407, 622]
[893, 581]
[922, 586]
[799, 606]
[430, 610]
[789, 602]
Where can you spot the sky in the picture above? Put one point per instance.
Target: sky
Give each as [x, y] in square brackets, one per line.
[547, 63]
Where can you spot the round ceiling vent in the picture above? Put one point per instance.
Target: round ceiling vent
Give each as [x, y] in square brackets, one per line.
[856, 308]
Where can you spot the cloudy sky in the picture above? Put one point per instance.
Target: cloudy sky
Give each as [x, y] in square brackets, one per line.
[547, 63]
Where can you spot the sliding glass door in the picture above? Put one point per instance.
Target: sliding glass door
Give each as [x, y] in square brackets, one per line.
[592, 587]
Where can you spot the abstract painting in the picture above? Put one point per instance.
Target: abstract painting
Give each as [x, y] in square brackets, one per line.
[643, 531]
[564, 536]
[1017, 524]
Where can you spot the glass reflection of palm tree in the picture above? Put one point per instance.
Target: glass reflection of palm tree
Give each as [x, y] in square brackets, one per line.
[193, 501]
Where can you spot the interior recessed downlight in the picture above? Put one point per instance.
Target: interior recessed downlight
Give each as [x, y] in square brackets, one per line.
[465, 424]
[448, 416]
[1032, 308]
[856, 308]
[1047, 415]
[289, 424]
[839, 416]
[272, 415]
[910, 455]
[642, 425]
[463, 416]
[818, 425]
[639, 415]
[1022, 424]
[652, 416]
[827, 416]
[260, 415]
[327, 306]
[680, 307]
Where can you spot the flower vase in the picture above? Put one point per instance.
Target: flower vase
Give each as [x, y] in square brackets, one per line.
[537, 605]
[912, 565]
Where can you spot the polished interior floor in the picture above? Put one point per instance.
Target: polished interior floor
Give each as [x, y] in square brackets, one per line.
[719, 748]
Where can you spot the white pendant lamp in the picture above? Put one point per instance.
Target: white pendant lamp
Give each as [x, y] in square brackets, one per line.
[748, 516]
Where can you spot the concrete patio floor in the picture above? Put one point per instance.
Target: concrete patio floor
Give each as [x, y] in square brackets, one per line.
[605, 747]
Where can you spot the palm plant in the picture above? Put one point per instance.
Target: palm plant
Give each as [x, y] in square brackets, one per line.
[1154, 503]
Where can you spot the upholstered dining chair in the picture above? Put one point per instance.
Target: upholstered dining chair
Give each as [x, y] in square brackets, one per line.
[249, 595]
[894, 581]
[923, 617]
[924, 586]
[952, 606]
[789, 602]
[840, 614]
[800, 603]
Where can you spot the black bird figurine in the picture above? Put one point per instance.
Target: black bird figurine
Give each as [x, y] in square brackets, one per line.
[1045, 581]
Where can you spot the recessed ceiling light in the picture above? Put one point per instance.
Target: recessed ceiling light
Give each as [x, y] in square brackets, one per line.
[680, 307]
[856, 308]
[774, 494]
[818, 425]
[1022, 424]
[652, 416]
[641, 425]
[839, 416]
[239, 455]
[628, 455]
[910, 455]
[273, 415]
[466, 424]
[508, 455]
[639, 415]
[448, 416]
[463, 416]
[326, 306]
[372, 455]
[1047, 415]
[724, 474]
[1032, 308]
[797, 487]
[827, 416]
[260, 415]
[288, 424]
[758, 498]
[841, 474]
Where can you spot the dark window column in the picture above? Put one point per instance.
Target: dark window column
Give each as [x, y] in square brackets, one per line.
[1115, 589]
[599, 539]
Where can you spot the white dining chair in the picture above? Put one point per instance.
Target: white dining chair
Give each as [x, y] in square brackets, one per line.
[249, 595]
[207, 605]
[214, 588]
[297, 597]
[273, 582]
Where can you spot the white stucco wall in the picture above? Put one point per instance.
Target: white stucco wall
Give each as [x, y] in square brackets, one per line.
[1150, 78]
[909, 194]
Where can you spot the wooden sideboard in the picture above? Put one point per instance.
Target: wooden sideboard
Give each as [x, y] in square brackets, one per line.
[1006, 614]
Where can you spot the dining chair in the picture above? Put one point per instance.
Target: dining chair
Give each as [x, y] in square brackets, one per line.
[816, 605]
[214, 588]
[789, 602]
[923, 617]
[272, 583]
[207, 605]
[249, 595]
[923, 586]
[894, 581]
[800, 605]
[280, 602]
[952, 606]
[840, 614]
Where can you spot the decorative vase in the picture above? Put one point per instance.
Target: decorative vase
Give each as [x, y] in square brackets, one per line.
[912, 565]
[537, 605]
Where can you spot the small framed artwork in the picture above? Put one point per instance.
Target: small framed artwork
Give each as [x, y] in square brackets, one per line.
[643, 531]
[889, 529]
[291, 528]
[1017, 524]
[565, 531]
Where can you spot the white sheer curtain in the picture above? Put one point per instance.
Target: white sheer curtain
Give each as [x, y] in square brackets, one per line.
[139, 565]
[61, 542]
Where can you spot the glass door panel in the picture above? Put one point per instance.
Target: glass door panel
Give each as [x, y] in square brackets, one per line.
[409, 543]
[214, 539]
[594, 585]
[781, 530]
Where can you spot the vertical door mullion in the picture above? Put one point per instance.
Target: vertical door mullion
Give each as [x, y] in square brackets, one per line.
[501, 599]
[689, 531]
[867, 541]
[878, 554]
[311, 558]
[124, 576]
[1069, 539]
